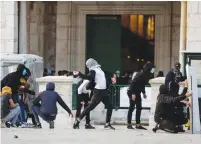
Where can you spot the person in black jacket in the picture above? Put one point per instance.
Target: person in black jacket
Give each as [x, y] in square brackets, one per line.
[174, 75]
[100, 92]
[84, 98]
[47, 110]
[165, 110]
[134, 93]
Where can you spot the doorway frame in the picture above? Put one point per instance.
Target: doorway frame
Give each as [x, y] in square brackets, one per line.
[161, 10]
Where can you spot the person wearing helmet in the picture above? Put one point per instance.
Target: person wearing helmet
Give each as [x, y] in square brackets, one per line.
[134, 93]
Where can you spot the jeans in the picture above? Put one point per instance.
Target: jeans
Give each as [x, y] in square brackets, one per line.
[37, 112]
[99, 96]
[17, 99]
[138, 103]
[13, 115]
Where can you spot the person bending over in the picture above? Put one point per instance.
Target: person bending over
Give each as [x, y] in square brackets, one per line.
[164, 114]
[134, 93]
[100, 92]
[47, 110]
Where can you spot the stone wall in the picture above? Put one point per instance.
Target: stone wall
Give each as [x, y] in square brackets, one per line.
[43, 31]
[193, 26]
[9, 26]
[65, 37]
[175, 31]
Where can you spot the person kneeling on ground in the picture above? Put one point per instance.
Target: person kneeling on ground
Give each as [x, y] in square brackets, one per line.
[165, 112]
[47, 110]
[9, 110]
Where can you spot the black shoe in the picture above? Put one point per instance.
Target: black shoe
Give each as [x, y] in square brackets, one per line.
[76, 124]
[140, 127]
[37, 126]
[130, 127]
[88, 126]
[8, 124]
[108, 126]
[180, 129]
[51, 124]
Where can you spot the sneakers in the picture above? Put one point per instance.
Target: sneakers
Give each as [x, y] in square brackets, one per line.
[51, 124]
[88, 126]
[180, 129]
[130, 127]
[140, 127]
[76, 124]
[108, 126]
[38, 126]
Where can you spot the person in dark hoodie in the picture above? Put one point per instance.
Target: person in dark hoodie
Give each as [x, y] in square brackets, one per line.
[165, 117]
[174, 75]
[100, 92]
[178, 108]
[16, 81]
[47, 110]
[134, 93]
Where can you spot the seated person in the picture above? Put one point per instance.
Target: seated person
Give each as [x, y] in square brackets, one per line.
[165, 110]
[9, 110]
[47, 110]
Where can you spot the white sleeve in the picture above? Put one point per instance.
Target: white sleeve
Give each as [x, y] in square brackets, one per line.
[83, 86]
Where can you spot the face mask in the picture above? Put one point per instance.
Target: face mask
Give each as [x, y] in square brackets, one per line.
[24, 72]
[152, 70]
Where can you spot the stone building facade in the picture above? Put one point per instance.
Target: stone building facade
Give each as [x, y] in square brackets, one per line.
[56, 30]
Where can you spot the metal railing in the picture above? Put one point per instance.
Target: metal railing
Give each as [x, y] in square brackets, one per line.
[113, 92]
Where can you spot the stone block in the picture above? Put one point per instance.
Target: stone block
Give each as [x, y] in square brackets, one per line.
[176, 20]
[61, 46]
[193, 34]
[176, 7]
[9, 45]
[194, 46]
[193, 7]
[8, 33]
[194, 20]
[9, 7]
[175, 48]
[62, 32]
[33, 28]
[63, 20]
[62, 61]
[10, 21]
[175, 33]
[62, 8]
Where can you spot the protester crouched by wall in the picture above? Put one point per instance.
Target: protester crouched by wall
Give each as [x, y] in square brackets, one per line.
[9, 110]
[166, 117]
[47, 110]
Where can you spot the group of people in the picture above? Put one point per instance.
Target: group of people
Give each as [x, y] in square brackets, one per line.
[91, 90]
[169, 113]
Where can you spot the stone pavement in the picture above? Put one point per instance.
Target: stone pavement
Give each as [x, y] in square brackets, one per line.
[64, 135]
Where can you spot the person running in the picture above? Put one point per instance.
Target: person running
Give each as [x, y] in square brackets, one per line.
[100, 93]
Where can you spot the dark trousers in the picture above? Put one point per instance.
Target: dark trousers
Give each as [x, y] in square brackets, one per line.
[82, 98]
[138, 104]
[99, 96]
[37, 112]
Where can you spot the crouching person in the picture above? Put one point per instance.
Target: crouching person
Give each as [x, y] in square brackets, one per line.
[9, 110]
[47, 110]
[165, 110]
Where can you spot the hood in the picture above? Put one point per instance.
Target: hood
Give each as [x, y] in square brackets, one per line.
[91, 64]
[6, 90]
[173, 88]
[147, 67]
[163, 89]
[23, 71]
[50, 86]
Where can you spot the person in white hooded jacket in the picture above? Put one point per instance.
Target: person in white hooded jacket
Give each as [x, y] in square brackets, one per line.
[100, 93]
